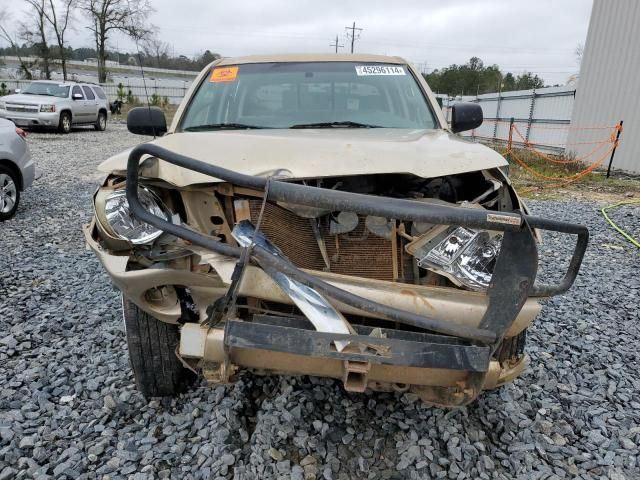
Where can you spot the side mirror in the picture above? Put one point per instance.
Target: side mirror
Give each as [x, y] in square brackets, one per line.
[147, 121]
[465, 116]
[17, 90]
[77, 96]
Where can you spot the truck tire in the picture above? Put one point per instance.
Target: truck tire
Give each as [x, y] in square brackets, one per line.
[152, 344]
[101, 122]
[64, 125]
[9, 193]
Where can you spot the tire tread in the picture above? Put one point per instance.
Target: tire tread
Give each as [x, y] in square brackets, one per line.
[157, 370]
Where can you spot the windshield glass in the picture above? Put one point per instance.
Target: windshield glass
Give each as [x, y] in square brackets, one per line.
[48, 89]
[309, 95]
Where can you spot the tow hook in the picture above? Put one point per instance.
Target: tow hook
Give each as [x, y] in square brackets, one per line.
[356, 376]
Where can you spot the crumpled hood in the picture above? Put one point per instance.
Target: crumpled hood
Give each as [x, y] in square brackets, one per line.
[318, 153]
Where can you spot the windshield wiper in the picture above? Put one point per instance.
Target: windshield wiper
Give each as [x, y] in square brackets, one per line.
[345, 124]
[221, 126]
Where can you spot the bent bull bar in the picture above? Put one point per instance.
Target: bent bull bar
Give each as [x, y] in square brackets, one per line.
[514, 273]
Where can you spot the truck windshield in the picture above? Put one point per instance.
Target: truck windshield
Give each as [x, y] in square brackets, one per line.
[48, 89]
[308, 95]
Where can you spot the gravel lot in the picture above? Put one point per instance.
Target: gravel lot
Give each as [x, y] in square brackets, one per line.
[68, 406]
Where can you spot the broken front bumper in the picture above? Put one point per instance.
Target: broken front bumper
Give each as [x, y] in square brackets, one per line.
[452, 347]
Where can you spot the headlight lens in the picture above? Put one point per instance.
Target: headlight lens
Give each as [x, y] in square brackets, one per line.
[466, 256]
[3, 105]
[47, 108]
[127, 227]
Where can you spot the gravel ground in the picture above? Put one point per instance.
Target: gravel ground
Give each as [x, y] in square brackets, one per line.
[68, 406]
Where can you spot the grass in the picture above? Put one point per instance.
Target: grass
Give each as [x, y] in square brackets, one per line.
[593, 184]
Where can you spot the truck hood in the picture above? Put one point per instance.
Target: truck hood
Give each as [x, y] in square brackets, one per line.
[31, 99]
[317, 153]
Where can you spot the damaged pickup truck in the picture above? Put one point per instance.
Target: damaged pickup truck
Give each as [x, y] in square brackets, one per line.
[316, 215]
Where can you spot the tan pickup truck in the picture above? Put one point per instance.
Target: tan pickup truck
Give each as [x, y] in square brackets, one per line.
[316, 215]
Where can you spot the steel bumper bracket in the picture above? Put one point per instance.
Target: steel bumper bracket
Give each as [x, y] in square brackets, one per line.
[514, 276]
[394, 347]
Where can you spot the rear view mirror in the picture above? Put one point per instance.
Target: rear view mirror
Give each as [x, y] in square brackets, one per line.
[77, 96]
[147, 121]
[17, 90]
[465, 116]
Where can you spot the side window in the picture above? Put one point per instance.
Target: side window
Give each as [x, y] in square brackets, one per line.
[99, 93]
[88, 93]
[75, 90]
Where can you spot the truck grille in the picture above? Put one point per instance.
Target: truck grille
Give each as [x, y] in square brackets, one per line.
[358, 253]
[14, 107]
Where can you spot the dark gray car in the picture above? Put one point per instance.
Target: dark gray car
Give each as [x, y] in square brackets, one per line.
[17, 168]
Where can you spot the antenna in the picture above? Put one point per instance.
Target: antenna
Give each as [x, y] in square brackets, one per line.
[144, 81]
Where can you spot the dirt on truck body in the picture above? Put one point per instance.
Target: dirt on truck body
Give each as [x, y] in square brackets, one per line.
[316, 215]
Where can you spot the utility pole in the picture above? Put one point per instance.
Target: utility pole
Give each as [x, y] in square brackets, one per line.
[336, 44]
[352, 35]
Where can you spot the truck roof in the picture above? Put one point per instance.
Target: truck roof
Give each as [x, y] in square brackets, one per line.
[312, 57]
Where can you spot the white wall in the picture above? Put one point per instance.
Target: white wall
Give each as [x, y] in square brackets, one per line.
[609, 83]
[542, 116]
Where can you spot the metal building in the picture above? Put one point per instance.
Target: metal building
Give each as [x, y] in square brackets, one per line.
[609, 86]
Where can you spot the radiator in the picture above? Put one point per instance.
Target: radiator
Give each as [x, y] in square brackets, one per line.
[359, 253]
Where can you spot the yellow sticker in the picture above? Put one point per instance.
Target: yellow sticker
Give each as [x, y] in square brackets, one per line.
[224, 74]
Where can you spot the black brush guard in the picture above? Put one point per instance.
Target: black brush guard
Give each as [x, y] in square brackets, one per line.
[511, 285]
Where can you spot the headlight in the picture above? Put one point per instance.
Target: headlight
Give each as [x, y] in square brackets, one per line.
[127, 227]
[466, 256]
[47, 108]
[3, 105]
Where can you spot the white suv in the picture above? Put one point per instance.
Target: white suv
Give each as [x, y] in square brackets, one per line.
[59, 105]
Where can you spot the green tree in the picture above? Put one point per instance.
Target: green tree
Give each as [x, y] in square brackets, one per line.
[155, 100]
[121, 92]
[475, 78]
[528, 81]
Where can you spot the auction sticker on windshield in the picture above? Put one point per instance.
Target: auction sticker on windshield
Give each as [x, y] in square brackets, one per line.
[379, 70]
[224, 74]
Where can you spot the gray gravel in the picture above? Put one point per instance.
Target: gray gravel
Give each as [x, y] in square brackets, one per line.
[68, 406]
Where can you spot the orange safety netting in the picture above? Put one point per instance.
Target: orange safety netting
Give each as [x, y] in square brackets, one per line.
[608, 144]
[568, 127]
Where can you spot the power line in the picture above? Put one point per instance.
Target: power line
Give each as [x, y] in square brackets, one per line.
[352, 35]
[336, 44]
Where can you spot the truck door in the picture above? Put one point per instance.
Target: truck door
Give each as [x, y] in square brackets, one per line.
[79, 109]
[91, 105]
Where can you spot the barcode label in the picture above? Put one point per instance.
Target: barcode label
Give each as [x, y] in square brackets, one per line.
[379, 70]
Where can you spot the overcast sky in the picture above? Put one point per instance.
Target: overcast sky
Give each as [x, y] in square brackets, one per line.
[518, 35]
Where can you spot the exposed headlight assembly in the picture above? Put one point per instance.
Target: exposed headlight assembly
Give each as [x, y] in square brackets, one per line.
[113, 212]
[48, 108]
[467, 257]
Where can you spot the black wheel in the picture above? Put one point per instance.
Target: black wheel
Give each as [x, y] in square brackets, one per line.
[64, 126]
[101, 123]
[152, 345]
[9, 193]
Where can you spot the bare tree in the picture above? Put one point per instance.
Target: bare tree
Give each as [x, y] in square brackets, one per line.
[35, 33]
[155, 48]
[25, 65]
[60, 15]
[107, 16]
